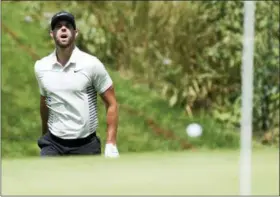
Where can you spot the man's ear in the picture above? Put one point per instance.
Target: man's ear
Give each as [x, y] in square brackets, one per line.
[76, 33]
[51, 33]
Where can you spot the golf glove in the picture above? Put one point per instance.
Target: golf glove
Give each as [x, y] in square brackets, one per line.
[111, 151]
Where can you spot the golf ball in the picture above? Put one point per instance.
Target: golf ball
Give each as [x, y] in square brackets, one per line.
[194, 130]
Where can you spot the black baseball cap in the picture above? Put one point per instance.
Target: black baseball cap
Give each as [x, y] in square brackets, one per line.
[63, 15]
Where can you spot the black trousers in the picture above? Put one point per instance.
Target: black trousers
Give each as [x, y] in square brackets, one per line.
[51, 145]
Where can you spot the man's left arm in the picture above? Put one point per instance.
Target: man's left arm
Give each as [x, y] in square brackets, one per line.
[104, 86]
[111, 105]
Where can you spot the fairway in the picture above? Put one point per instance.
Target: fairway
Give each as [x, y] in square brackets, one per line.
[184, 173]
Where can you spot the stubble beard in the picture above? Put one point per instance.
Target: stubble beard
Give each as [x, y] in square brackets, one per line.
[64, 45]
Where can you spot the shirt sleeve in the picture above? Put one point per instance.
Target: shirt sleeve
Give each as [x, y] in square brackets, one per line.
[100, 78]
[39, 81]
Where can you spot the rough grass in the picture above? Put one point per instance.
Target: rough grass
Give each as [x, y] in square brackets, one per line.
[185, 173]
[20, 96]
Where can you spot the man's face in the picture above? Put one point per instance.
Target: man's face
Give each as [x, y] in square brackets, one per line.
[63, 34]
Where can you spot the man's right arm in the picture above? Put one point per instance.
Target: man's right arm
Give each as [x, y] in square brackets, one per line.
[44, 111]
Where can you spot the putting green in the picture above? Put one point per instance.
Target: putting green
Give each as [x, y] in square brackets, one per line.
[185, 173]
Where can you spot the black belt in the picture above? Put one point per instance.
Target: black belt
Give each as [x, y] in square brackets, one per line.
[73, 142]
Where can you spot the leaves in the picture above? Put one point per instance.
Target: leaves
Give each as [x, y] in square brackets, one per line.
[202, 40]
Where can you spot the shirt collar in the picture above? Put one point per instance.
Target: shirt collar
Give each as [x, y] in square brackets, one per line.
[73, 58]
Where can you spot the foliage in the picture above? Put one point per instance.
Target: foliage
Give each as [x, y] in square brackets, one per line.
[190, 52]
[20, 110]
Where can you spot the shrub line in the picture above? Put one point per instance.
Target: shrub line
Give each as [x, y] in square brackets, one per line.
[167, 134]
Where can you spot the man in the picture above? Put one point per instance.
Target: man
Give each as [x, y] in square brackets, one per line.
[69, 81]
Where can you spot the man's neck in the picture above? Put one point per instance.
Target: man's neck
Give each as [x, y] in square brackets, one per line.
[63, 54]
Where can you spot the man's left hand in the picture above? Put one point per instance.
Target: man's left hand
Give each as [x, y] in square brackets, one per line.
[111, 151]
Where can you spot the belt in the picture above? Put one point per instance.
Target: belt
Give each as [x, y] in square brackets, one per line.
[73, 142]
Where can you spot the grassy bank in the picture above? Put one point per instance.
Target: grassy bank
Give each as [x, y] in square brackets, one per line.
[146, 121]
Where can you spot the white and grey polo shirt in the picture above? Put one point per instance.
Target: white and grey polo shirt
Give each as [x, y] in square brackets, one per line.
[71, 92]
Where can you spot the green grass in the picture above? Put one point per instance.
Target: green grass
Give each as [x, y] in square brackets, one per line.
[20, 110]
[21, 120]
[185, 173]
[159, 172]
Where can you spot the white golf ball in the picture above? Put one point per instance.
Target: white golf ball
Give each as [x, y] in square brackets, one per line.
[194, 130]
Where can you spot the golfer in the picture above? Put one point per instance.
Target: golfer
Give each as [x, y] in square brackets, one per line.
[69, 82]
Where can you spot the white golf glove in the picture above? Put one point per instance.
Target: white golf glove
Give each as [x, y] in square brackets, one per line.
[111, 151]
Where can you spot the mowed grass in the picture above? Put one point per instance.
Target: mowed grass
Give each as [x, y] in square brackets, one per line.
[185, 173]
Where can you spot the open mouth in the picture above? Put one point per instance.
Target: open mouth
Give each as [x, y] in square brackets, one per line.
[63, 36]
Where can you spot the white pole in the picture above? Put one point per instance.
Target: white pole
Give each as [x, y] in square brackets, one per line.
[247, 98]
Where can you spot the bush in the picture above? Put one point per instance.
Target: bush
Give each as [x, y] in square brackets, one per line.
[190, 52]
